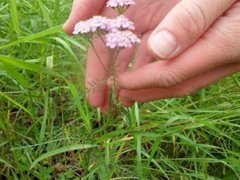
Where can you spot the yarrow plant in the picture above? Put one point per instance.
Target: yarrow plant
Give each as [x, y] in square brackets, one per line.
[100, 23]
[121, 39]
[120, 3]
[116, 33]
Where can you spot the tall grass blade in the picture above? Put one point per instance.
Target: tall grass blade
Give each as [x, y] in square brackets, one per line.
[14, 16]
[46, 14]
[31, 67]
[13, 72]
[82, 112]
[4, 162]
[61, 150]
[34, 36]
[44, 120]
[16, 103]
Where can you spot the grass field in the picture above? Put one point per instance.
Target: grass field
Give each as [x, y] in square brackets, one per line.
[48, 131]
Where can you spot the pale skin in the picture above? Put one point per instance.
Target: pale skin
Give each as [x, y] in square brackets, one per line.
[204, 48]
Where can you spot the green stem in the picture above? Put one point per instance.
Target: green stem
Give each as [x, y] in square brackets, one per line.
[112, 90]
[95, 51]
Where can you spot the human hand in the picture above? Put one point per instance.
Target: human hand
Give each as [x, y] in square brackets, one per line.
[146, 16]
[204, 48]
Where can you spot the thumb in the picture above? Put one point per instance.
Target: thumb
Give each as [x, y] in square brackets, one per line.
[82, 9]
[184, 24]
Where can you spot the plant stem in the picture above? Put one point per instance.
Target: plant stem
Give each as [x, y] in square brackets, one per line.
[95, 51]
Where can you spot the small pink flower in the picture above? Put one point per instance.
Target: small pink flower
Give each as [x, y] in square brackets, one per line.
[98, 23]
[82, 28]
[121, 39]
[102, 23]
[121, 22]
[120, 3]
[92, 25]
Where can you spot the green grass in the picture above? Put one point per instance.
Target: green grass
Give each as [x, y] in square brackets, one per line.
[48, 131]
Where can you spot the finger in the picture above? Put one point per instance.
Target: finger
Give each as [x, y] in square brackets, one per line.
[184, 24]
[218, 46]
[82, 9]
[143, 56]
[170, 73]
[186, 88]
[146, 15]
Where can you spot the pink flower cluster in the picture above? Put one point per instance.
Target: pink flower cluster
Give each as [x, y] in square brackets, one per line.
[98, 23]
[121, 39]
[120, 3]
[117, 31]
[121, 22]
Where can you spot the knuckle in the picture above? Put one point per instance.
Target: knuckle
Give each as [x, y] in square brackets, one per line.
[192, 19]
[167, 79]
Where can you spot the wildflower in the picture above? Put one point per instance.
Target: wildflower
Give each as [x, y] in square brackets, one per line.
[102, 23]
[117, 35]
[120, 3]
[121, 39]
[82, 27]
[98, 23]
[120, 22]
[92, 25]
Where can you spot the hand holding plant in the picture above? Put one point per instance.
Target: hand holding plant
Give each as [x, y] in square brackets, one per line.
[145, 14]
[199, 38]
[116, 34]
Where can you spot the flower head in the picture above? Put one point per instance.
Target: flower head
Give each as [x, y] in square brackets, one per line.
[121, 22]
[92, 25]
[120, 3]
[81, 27]
[117, 31]
[98, 23]
[121, 39]
[102, 23]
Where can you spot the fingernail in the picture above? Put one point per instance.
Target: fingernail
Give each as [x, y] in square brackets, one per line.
[163, 44]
